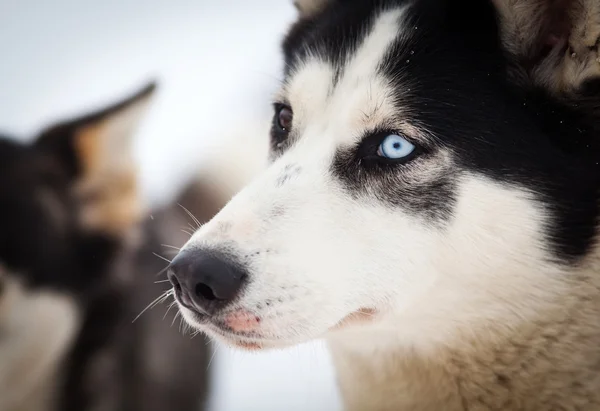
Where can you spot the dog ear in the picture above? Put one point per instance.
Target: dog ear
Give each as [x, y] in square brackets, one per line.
[554, 43]
[96, 153]
[308, 8]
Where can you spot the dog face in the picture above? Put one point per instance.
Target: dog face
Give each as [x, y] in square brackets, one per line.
[412, 187]
[68, 205]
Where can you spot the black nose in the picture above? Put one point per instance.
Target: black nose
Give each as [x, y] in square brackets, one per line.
[205, 281]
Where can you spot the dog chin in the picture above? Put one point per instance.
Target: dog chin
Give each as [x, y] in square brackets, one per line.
[357, 319]
[242, 331]
[203, 324]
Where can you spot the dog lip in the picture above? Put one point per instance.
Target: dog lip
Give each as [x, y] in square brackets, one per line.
[232, 335]
[251, 342]
[236, 340]
[241, 320]
[249, 346]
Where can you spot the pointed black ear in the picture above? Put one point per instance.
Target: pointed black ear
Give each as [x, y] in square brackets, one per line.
[554, 43]
[96, 152]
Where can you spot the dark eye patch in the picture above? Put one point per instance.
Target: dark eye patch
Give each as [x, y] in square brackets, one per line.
[397, 185]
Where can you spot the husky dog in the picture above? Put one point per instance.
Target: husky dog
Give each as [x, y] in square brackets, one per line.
[73, 271]
[430, 209]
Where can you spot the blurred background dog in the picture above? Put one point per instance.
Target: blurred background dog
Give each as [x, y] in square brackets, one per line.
[196, 142]
[73, 255]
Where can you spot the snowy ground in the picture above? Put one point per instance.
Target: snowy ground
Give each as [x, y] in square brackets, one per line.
[215, 61]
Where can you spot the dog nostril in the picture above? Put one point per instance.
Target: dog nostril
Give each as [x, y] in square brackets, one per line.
[175, 283]
[204, 291]
[204, 280]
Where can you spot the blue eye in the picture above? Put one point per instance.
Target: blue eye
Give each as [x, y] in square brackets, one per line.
[395, 147]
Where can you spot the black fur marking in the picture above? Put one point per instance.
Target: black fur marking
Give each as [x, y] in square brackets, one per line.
[396, 185]
[334, 39]
[460, 94]
[62, 256]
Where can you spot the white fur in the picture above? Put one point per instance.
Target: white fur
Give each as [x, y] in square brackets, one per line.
[36, 329]
[325, 255]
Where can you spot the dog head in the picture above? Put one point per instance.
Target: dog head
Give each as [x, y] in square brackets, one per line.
[68, 206]
[414, 187]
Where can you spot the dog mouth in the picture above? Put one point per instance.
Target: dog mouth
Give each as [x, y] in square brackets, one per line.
[237, 340]
[242, 328]
[237, 328]
[246, 341]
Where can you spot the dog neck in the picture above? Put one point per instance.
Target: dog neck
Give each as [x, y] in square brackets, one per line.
[533, 346]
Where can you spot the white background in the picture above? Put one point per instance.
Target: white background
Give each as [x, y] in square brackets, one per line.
[217, 63]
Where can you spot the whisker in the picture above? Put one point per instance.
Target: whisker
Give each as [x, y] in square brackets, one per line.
[161, 272]
[162, 258]
[178, 314]
[169, 309]
[158, 300]
[193, 217]
[212, 357]
[161, 281]
[171, 246]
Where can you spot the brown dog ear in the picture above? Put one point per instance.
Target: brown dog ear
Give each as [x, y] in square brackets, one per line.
[96, 152]
[308, 8]
[554, 43]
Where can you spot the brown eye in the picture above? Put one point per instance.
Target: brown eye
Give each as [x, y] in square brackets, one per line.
[285, 116]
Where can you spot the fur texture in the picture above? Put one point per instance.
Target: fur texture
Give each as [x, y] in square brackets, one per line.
[554, 44]
[464, 276]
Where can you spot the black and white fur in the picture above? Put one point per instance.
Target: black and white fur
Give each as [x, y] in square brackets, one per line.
[78, 264]
[465, 277]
